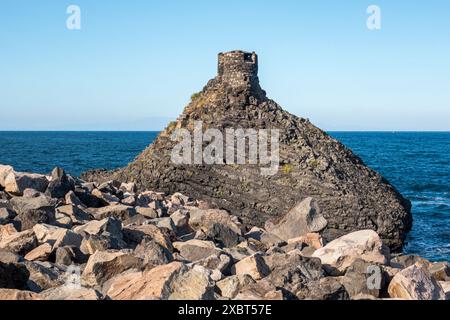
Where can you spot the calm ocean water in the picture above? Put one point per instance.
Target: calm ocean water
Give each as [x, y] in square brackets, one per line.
[416, 163]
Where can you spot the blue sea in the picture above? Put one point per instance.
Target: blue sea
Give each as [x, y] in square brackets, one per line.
[416, 163]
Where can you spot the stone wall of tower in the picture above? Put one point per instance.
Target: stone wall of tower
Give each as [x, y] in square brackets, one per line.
[238, 68]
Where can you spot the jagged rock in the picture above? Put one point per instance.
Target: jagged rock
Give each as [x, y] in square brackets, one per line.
[260, 290]
[103, 265]
[108, 225]
[217, 225]
[134, 235]
[105, 198]
[255, 266]
[19, 242]
[164, 223]
[72, 199]
[42, 276]
[302, 219]
[194, 284]
[76, 214]
[60, 184]
[292, 271]
[18, 295]
[7, 230]
[40, 253]
[440, 271]
[415, 283]
[64, 237]
[31, 193]
[129, 201]
[180, 219]
[13, 276]
[267, 238]
[446, 287]
[312, 164]
[148, 285]
[70, 293]
[31, 211]
[339, 254]
[310, 239]
[359, 280]
[45, 233]
[66, 256]
[230, 286]
[118, 211]
[9, 257]
[87, 198]
[147, 212]
[152, 254]
[6, 215]
[406, 260]
[16, 182]
[4, 172]
[128, 187]
[194, 249]
[329, 288]
[217, 261]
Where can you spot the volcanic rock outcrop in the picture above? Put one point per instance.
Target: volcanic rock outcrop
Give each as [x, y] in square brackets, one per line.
[347, 194]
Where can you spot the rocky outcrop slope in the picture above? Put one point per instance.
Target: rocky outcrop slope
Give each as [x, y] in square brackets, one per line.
[348, 195]
[75, 240]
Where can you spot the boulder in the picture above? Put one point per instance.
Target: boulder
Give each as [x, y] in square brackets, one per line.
[9, 257]
[267, 238]
[6, 215]
[149, 285]
[327, 288]
[403, 261]
[194, 250]
[363, 278]
[77, 215]
[304, 218]
[43, 276]
[340, 253]
[194, 284]
[45, 233]
[60, 184]
[313, 240]
[40, 253]
[446, 287]
[230, 286]
[217, 261]
[260, 290]
[103, 265]
[18, 295]
[17, 182]
[19, 242]
[110, 226]
[254, 266]
[415, 283]
[71, 293]
[118, 211]
[147, 212]
[64, 237]
[31, 211]
[4, 172]
[13, 276]
[293, 271]
[71, 198]
[105, 197]
[152, 254]
[134, 235]
[217, 225]
[440, 271]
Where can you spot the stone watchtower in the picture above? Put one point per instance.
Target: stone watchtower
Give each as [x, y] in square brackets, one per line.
[239, 69]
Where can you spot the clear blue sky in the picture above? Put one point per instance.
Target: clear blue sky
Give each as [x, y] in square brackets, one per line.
[134, 64]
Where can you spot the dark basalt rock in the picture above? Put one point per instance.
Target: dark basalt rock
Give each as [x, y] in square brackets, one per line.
[350, 195]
